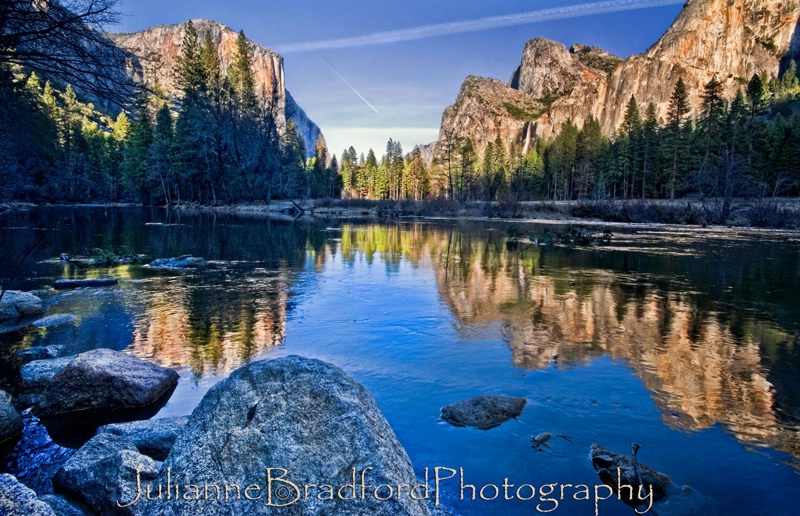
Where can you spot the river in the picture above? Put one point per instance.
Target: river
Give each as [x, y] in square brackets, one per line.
[684, 340]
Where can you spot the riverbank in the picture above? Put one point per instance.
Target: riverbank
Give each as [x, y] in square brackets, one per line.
[780, 213]
[758, 213]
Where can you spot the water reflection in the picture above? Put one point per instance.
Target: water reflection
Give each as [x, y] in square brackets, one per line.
[708, 320]
[703, 357]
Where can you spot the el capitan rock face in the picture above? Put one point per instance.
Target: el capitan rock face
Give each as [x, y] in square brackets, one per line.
[732, 39]
[155, 52]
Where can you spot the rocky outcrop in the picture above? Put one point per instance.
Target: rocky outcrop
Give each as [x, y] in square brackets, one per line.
[485, 110]
[299, 414]
[305, 126]
[483, 412]
[10, 425]
[103, 386]
[154, 437]
[732, 39]
[155, 51]
[18, 500]
[104, 474]
[549, 69]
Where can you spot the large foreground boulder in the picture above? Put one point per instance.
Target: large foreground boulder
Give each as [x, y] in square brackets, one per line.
[103, 386]
[302, 415]
[483, 412]
[18, 500]
[10, 425]
[105, 474]
[154, 437]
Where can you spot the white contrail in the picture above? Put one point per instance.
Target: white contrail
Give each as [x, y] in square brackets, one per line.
[493, 22]
[348, 84]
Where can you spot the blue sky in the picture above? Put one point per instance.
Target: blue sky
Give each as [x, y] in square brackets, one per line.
[409, 83]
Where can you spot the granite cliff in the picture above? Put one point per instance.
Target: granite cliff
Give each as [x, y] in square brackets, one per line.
[154, 53]
[732, 39]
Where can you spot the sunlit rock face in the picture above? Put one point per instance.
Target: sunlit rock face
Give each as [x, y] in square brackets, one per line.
[155, 52]
[732, 39]
[485, 110]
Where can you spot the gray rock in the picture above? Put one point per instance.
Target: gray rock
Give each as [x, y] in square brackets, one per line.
[38, 353]
[37, 374]
[154, 437]
[61, 506]
[103, 380]
[483, 412]
[103, 474]
[17, 310]
[10, 425]
[52, 320]
[84, 283]
[181, 262]
[295, 413]
[16, 304]
[612, 467]
[18, 500]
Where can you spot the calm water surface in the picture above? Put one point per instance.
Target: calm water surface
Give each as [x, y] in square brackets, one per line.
[682, 340]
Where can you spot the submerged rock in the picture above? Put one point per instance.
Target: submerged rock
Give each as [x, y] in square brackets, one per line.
[35, 458]
[18, 500]
[38, 353]
[103, 386]
[181, 262]
[53, 320]
[614, 469]
[483, 412]
[10, 425]
[103, 474]
[84, 283]
[299, 414]
[154, 437]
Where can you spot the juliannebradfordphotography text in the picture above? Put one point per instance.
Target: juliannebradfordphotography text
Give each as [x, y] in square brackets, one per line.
[278, 489]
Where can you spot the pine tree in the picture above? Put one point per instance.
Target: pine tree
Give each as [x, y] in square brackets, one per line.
[189, 69]
[160, 152]
[757, 95]
[678, 109]
[240, 75]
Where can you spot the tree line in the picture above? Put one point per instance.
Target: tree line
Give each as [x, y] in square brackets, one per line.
[745, 146]
[216, 142]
